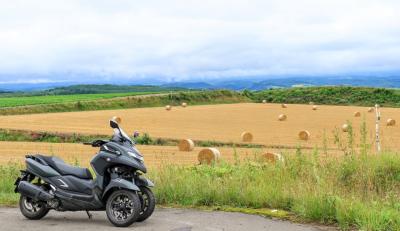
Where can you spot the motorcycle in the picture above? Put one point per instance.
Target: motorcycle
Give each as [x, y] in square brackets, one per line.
[119, 187]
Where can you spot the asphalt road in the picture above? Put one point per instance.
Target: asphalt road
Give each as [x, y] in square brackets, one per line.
[163, 219]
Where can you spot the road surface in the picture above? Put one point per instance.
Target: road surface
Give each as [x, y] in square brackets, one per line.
[163, 219]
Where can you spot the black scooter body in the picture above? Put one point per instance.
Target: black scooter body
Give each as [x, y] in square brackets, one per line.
[118, 165]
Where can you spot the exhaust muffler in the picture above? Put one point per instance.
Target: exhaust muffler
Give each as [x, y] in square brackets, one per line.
[33, 191]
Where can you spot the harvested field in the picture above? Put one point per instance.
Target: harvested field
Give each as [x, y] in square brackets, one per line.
[82, 154]
[219, 123]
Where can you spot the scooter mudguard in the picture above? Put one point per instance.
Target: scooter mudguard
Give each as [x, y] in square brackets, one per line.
[144, 182]
[121, 184]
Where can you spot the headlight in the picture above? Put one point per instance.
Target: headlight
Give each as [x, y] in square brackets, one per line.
[136, 156]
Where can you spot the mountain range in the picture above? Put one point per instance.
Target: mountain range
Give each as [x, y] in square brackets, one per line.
[250, 83]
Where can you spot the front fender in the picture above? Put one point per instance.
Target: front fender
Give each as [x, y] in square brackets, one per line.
[141, 181]
[120, 184]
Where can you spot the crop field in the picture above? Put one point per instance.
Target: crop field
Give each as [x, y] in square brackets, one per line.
[223, 123]
[52, 99]
[82, 154]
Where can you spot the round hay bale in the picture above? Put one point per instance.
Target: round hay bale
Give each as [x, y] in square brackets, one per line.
[247, 137]
[314, 107]
[357, 114]
[184, 104]
[282, 117]
[272, 157]
[117, 119]
[186, 145]
[304, 135]
[283, 105]
[264, 101]
[371, 109]
[345, 127]
[208, 155]
[168, 107]
[390, 122]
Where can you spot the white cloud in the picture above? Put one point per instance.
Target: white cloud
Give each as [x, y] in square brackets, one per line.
[198, 39]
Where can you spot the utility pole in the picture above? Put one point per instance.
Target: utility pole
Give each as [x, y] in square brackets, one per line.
[378, 119]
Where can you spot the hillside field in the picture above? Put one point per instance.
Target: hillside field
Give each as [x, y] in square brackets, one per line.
[56, 99]
[222, 123]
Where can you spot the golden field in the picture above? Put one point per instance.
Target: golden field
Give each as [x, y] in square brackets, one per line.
[82, 154]
[219, 123]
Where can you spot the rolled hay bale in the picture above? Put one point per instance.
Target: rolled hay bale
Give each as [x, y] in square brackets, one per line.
[186, 145]
[284, 105]
[264, 101]
[282, 117]
[314, 107]
[371, 109]
[184, 104]
[168, 107]
[247, 137]
[345, 127]
[208, 155]
[304, 135]
[357, 114]
[390, 122]
[271, 157]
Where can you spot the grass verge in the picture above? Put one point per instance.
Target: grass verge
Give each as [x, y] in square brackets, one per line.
[144, 139]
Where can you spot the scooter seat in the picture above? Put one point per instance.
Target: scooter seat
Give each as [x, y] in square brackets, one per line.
[65, 169]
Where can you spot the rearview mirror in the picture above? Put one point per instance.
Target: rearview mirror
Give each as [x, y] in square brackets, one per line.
[113, 124]
[115, 121]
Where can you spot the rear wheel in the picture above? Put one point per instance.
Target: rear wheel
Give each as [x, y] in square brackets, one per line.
[148, 203]
[123, 208]
[33, 210]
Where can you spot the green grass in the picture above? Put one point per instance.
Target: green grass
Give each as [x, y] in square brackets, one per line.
[56, 99]
[353, 192]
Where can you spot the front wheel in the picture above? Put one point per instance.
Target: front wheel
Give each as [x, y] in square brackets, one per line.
[31, 209]
[123, 208]
[148, 202]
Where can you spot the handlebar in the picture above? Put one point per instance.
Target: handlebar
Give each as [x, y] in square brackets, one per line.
[95, 143]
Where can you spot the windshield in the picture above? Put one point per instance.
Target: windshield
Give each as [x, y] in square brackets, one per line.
[119, 135]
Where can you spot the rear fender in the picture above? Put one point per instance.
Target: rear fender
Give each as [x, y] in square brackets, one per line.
[119, 183]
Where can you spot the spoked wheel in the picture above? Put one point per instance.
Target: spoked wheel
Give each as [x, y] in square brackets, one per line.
[148, 202]
[33, 210]
[123, 208]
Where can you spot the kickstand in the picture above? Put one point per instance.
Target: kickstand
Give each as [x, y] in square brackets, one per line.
[89, 215]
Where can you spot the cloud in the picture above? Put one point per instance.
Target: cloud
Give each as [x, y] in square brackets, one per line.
[183, 40]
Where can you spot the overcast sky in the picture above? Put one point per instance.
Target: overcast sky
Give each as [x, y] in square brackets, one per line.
[50, 40]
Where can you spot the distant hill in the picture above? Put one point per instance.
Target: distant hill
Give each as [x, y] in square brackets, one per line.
[336, 95]
[189, 85]
[106, 88]
[92, 89]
